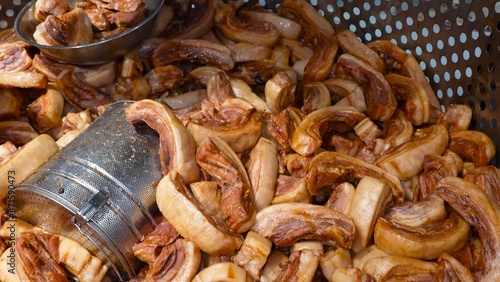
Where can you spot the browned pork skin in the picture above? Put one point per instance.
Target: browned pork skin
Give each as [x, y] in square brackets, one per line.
[253, 254]
[328, 168]
[456, 117]
[200, 50]
[217, 159]
[288, 223]
[398, 61]
[177, 146]
[380, 100]
[425, 243]
[414, 97]
[177, 261]
[478, 210]
[162, 235]
[301, 264]
[39, 256]
[318, 36]
[473, 146]
[17, 132]
[424, 213]
[80, 93]
[407, 160]
[437, 167]
[307, 137]
[450, 269]
[350, 43]
[487, 178]
[14, 57]
[179, 207]
[45, 8]
[237, 122]
[70, 29]
[226, 22]
[398, 268]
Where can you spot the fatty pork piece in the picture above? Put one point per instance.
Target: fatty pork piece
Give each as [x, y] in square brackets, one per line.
[45, 8]
[14, 57]
[70, 29]
[39, 255]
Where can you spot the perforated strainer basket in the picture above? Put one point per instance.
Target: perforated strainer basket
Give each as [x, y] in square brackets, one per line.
[99, 190]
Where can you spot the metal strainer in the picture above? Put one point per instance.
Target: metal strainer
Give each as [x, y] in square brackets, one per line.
[99, 190]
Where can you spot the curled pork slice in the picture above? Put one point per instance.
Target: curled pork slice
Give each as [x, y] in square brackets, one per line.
[196, 21]
[259, 32]
[437, 167]
[456, 117]
[288, 223]
[398, 61]
[14, 57]
[279, 92]
[487, 178]
[475, 207]
[301, 264]
[220, 162]
[45, 8]
[287, 27]
[39, 255]
[307, 137]
[318, 36]
[316, 96]
[425, 243]
[162, 235]
[328, 168]
[282, 126]
[177, 147]
[177, 261]
[450, 269]
[200, 50]
[473, 146]
[237, 122]
[79, 93]
[179, 207]
[350, 43]
[414, 97]
[424, 213]
[70, 29]
[400, 268]
[407, 160]
[380, 100]
[18, 132]
[398, 129]
[261, 71]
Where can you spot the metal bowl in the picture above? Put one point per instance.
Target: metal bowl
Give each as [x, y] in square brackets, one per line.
[94, 53]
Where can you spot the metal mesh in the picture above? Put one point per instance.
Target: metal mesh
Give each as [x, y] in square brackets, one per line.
[111, 155]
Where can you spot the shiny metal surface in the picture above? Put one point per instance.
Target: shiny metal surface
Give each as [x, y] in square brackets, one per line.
[93, 53]
[99, 190]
